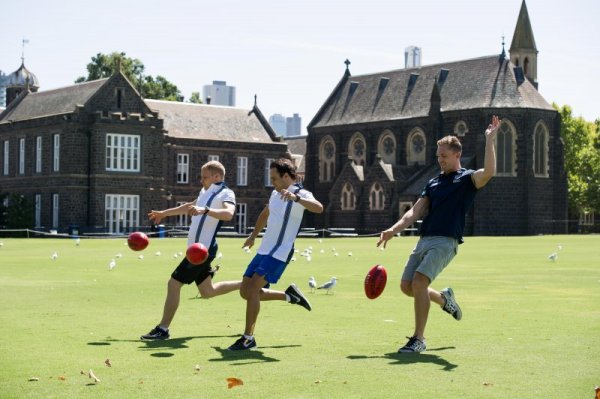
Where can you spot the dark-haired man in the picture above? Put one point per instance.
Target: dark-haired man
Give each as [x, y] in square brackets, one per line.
[283, 216]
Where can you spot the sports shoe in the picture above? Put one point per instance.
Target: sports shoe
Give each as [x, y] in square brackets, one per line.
[451, 306]
[297, 298]
[156, 333]
[243, 344]
[414, 345]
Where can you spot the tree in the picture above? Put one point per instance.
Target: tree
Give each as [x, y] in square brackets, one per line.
[195, 98]
[19, 213]
[582, 160]
[105, 65]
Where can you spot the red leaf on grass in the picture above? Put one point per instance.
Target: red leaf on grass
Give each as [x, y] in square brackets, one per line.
[234, 382]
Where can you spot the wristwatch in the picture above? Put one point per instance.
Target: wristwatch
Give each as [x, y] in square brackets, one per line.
[206, 210]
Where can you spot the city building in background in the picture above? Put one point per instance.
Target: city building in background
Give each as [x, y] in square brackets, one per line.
[412, 57]
[293, 125]
[277, 122]
[286, 126]
[2, 89]
[218, 93]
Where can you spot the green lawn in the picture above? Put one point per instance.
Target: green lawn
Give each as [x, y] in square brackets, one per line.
[530, 328]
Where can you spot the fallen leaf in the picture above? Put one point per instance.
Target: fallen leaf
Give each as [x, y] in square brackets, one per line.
[597, 389]
[488, 384]
[317, 381]
[93, 376]
[107, 362]
[234, 382]
[34, 379]
[62, 378]
[197, 367]
[141, 382]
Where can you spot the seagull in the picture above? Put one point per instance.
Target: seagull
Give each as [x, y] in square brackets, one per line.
[141, 257]
[553, 256]
[157, 253]
[312, 283]
[560, 247]
[328, 285]
[112, 264]
[54, 256]
[77, 242]
[118, 256]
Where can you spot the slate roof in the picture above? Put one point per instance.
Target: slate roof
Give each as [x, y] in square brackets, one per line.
[211, 122]
[523, 36]
[485, 82]
[59, 101]
[297, 147]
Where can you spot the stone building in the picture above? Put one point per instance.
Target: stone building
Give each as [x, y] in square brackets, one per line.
[371, 147]
[97, 156]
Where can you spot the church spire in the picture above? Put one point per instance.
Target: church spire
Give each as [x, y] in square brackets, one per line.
[523, 51]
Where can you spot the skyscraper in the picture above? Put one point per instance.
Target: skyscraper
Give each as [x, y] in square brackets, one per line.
[219, 93]
[2, 89]
[292, 125]
[412, 57]
[277, 122]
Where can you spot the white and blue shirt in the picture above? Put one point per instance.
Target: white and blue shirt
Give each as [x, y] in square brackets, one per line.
[283, 224]
[204, 228]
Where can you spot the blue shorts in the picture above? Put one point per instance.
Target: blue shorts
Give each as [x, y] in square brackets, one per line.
[266, 266]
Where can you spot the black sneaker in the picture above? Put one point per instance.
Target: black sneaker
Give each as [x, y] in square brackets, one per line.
[243, 344]
[451, 306]
[414, 345]
[297, 298]
[156, 333]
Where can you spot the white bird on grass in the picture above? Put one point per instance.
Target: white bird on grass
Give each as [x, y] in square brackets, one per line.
[77, 242]
[553, 256]
[112, 264]
[54, 256]
[312, 283]
[328, 285]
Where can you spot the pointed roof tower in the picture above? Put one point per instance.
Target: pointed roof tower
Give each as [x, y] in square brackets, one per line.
[523, 51]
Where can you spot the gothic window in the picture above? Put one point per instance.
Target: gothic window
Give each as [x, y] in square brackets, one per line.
[326, 159]
[540, 150]
[387, 147]
[460, 129]
[348, 200]
[415, 147]
[506, 150]
[376, 198]
[358, 149]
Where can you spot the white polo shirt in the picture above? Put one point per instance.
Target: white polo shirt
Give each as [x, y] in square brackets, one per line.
[216, 195]
[283, 224]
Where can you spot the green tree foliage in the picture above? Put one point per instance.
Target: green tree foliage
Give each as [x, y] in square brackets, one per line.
[582, 160]
[104, 65]
[19, 212]
[195, 98]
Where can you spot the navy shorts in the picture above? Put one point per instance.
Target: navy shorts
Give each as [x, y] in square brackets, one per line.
[186, 273]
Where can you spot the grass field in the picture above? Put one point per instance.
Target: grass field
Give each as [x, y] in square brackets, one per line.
[530, 328]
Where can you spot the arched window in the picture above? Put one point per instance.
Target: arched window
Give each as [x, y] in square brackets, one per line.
[526, 66]
[326, 159]
[506, 150]
[348, 200]
[387, 147]
[376, 198]
[540, 150]
[357, 149]
[460, 129]
[415, 147]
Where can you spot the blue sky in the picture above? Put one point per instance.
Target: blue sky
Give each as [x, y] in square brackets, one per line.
[291, 53]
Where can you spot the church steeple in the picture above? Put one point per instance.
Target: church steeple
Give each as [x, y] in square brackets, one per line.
[523, 51]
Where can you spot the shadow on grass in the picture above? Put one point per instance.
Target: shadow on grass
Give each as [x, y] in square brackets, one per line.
[410, 358]
[241, 358]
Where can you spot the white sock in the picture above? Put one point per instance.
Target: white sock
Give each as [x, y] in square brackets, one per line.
[165, 329]
[287, 298]
[249, 337]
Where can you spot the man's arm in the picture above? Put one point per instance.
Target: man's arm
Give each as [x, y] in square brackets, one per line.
[482, 176]
[225, 214]
[412, 215]
[157, 216]
[261, 222]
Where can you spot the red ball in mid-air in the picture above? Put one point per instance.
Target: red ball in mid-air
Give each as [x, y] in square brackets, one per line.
[138, 241]
[375, 281]
[196, 254]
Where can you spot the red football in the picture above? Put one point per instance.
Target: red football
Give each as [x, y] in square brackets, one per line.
[196, 254]
[138, 241]
[375, 281]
